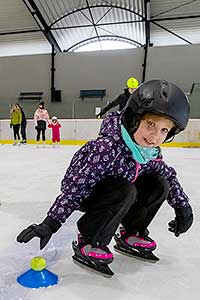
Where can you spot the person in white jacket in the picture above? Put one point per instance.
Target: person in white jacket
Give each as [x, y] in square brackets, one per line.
[41, 117]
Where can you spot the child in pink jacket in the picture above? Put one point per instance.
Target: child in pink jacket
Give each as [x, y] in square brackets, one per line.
[55, 126]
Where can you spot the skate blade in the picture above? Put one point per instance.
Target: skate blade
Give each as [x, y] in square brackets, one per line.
[106, 271]
[150, 257]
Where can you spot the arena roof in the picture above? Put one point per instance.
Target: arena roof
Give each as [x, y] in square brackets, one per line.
[34, 26]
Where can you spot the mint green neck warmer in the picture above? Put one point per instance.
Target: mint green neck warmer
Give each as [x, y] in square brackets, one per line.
[141, 154]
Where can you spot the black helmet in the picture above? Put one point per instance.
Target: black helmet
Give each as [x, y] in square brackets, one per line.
[159, 97]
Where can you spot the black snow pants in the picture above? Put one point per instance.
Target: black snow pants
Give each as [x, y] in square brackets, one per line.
[23, 130]
[16, 132]
[41, 128]
[116, 201]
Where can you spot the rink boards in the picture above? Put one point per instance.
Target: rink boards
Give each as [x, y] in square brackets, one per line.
[78, 131]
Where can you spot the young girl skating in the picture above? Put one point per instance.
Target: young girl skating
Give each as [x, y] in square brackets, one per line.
[121, 179]
[55, 126]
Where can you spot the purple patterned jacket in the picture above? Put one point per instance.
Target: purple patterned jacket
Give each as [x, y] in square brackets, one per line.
[105, 156]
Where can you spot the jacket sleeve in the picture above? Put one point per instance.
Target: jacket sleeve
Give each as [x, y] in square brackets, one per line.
[88, 166]
[176, 197]
[47, 116]
[35, 117]
[111, 105]
[11, 118]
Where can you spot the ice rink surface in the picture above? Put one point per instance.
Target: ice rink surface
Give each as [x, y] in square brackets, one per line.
[30, 180]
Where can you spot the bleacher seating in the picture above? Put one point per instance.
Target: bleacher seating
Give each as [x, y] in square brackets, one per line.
[100, 93]
[30, 96]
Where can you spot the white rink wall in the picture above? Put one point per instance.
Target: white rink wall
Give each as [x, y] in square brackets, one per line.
[71, 130]
[85, 129]
[191, 134]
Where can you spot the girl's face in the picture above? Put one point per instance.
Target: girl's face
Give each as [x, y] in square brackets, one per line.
[153, 130]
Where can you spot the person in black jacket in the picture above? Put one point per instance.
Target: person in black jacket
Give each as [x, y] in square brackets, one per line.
[23, 125]
[121, 100]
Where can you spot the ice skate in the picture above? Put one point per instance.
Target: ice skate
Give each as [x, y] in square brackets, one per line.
[136, 245]
[94, 258]
[23, 142]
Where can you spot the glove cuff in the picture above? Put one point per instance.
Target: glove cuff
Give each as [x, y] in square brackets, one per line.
[183, 211]
[54, 225]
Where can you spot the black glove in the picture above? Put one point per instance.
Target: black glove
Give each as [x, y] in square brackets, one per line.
[44, 231]
[10, 125]
[182, 222]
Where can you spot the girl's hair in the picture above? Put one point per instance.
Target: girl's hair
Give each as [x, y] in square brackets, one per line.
[19, 106]
[15, 107]
[41, 104]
